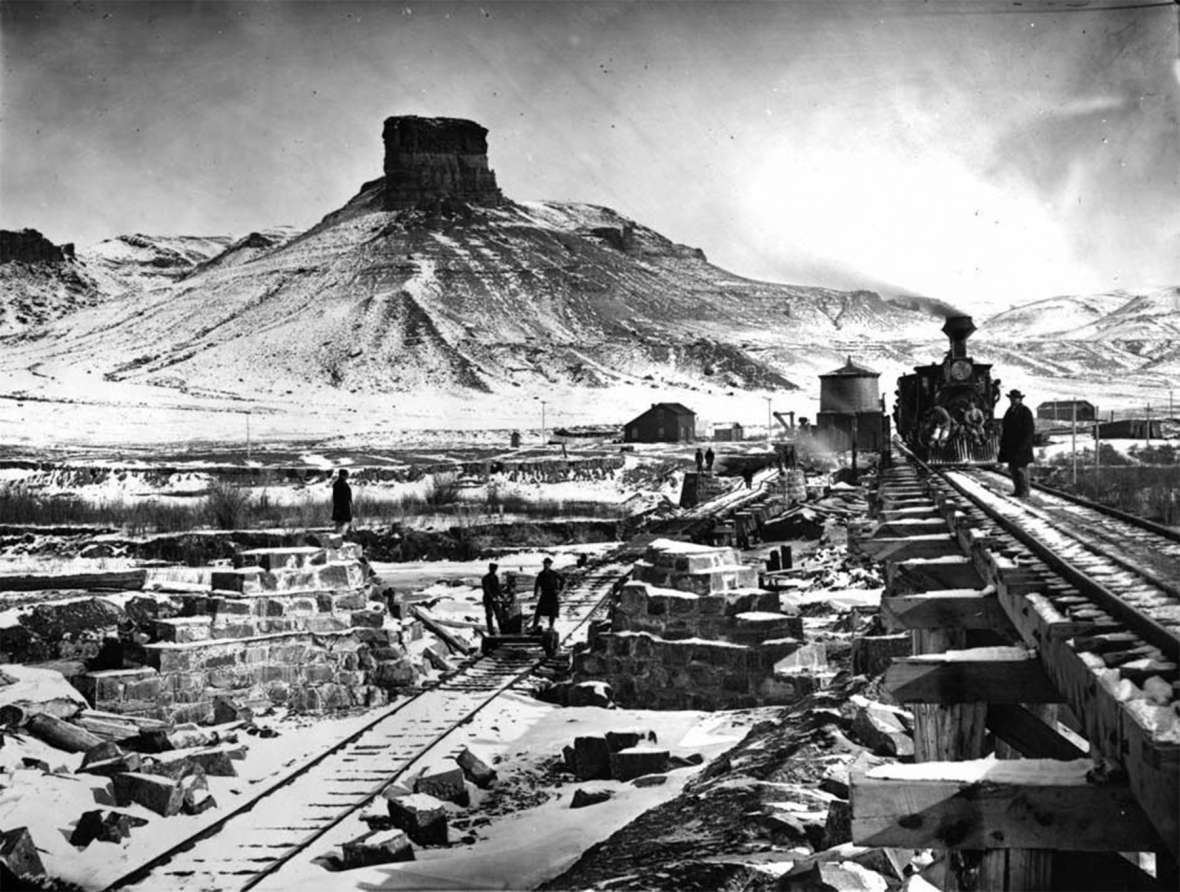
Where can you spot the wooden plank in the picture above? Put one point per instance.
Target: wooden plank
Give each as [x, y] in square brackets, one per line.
[908, 548]
[453, 641]
[123, 580]
[952, 608]
[962, 679]
[918, 576]
[989, 804]
[1028, 734]
[899, 528]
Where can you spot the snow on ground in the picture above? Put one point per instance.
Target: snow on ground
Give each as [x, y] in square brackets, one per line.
[524, 848]
[50, 804]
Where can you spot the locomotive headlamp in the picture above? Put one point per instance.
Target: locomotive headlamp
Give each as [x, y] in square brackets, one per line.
[961, 369]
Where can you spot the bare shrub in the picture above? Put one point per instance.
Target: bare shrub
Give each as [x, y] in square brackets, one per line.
[227, 507]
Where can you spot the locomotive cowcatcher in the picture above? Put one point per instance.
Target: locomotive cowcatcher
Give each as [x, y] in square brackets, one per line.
[945, 412]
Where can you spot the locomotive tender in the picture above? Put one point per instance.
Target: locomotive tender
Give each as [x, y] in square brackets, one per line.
[945, 412]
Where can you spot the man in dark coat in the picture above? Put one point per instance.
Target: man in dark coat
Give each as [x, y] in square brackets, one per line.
[709, 459]
[1016, 442]
[342, 502]
[545, 589]
[492, 599]
[700, 458]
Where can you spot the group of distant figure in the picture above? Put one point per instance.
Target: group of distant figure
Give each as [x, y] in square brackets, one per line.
[705, 460]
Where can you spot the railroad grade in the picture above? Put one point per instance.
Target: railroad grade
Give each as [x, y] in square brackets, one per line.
[254, 841]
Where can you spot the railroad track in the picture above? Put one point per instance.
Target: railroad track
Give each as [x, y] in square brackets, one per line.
[1129, 569]
[255, 840]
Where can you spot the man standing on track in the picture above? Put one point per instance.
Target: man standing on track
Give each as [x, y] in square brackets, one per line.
[492, 600]
[545, 589]
[1016, 442]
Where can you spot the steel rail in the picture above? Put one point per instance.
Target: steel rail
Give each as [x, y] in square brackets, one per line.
[144, 870]
[1141, 522]
[304, 844]
[1146, 627]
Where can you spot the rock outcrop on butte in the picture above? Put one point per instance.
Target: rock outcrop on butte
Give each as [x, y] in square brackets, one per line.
[30, 246]
[437, 161]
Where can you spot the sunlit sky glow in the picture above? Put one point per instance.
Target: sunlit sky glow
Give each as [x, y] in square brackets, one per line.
[979, 151]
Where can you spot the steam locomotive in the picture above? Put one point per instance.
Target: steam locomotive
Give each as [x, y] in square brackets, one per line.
[945, 412]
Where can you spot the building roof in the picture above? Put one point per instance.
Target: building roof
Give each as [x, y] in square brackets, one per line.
[852, 370]
[1049, 404]
[674, 408]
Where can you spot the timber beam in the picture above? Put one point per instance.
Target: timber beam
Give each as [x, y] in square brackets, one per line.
[985, 674]
[905, 548]
[995, 804]
[962, 608]
[924, 575]
[1028, 734]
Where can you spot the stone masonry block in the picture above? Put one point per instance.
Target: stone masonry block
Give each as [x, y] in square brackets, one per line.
[18, 853]
[157, 793]
[377, 847]
[443, 783]
[636, 761]
[592, 758]
[182, 629]
[476, 769]
[422, 817]
[248, 580]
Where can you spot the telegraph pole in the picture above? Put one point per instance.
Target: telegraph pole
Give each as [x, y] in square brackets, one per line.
[542, 422]
[1074, 442]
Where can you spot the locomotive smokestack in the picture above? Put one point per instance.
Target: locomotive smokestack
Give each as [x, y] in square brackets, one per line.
[958, 329]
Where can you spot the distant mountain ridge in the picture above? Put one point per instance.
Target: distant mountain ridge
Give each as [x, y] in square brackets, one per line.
[1151, 314]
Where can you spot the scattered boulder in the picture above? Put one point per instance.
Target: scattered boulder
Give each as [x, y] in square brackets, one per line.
[444, 783]
[635, 761]
[591, 693]
[226, 710]
[621, 740]
[18, 854]
[30, 762]
[879, 728]
[835, 780]
[376, 847]
[476, 769]
[213, 761]
[108, 759]
[421, 816]
[583, 798]
[650, 780]
[838, 826]
[163, 795]
[196, 795]
[114, 827]
[592, 758]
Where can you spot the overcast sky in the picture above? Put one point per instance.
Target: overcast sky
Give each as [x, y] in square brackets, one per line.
[984, 152]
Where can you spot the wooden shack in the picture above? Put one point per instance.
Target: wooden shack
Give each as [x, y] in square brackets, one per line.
[662, 423]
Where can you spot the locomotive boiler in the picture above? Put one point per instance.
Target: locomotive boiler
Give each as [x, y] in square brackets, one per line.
[945, 412]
